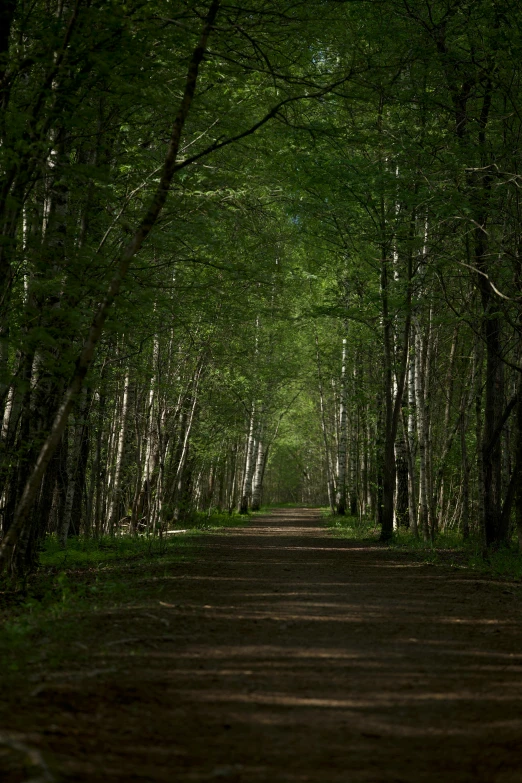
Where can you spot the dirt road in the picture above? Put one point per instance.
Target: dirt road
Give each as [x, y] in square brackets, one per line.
[284, 654]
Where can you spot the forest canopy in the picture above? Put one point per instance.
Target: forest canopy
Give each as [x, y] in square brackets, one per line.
[259, 252]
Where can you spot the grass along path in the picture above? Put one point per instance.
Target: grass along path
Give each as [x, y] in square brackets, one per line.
[88, 576]
[449, 548]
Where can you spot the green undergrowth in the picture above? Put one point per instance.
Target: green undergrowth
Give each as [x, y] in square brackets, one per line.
[89, 577]
[287, 505]
[350, 527]
[448, 549]
[219, 519]
[506, 562]
[86, 578]
[85, 551]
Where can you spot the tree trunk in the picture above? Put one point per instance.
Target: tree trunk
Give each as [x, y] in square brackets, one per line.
[402, 503]
[437, 500]
[392, 401]
[409, 428]
[246, 489]
[73, 475]
[324, 430]
[492, 455]
[518, 465]
[258, 475]
[420, 407]
[113, 513]
[340, 483]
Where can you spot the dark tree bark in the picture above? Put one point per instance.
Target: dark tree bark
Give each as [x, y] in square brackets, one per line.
[402, 505]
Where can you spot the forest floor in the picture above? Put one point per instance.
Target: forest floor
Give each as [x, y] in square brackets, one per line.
[277, 652]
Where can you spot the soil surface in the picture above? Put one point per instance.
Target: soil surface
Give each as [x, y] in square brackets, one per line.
[281, 653]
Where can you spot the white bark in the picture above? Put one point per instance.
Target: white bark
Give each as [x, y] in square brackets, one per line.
[329, 470]
[354, 455]
[423, 518]
[409, 427]
[340, 499]
[257, 483]
[246, 490]
[9, 413]
[188, 428]
[115, 495]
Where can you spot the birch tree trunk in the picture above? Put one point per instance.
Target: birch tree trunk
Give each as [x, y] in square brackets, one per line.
[257, 485]
[423, 513]
[354, 466]
[379, 459]
[233, 478]
[246, 489]
[437, 501]
[114, 506]
[409, 428]
[393, 392]
[98, 467]
[324, 429]
[144, 486]
[182, 481]
[340, 496]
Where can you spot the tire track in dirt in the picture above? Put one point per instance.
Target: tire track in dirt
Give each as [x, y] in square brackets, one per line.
[281, 653]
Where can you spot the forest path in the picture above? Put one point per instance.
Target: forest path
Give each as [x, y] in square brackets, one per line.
[280, 653]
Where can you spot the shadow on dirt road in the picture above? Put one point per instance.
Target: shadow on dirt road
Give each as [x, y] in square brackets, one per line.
[281, 653]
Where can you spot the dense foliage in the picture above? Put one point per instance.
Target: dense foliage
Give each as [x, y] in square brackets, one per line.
[266, 249]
